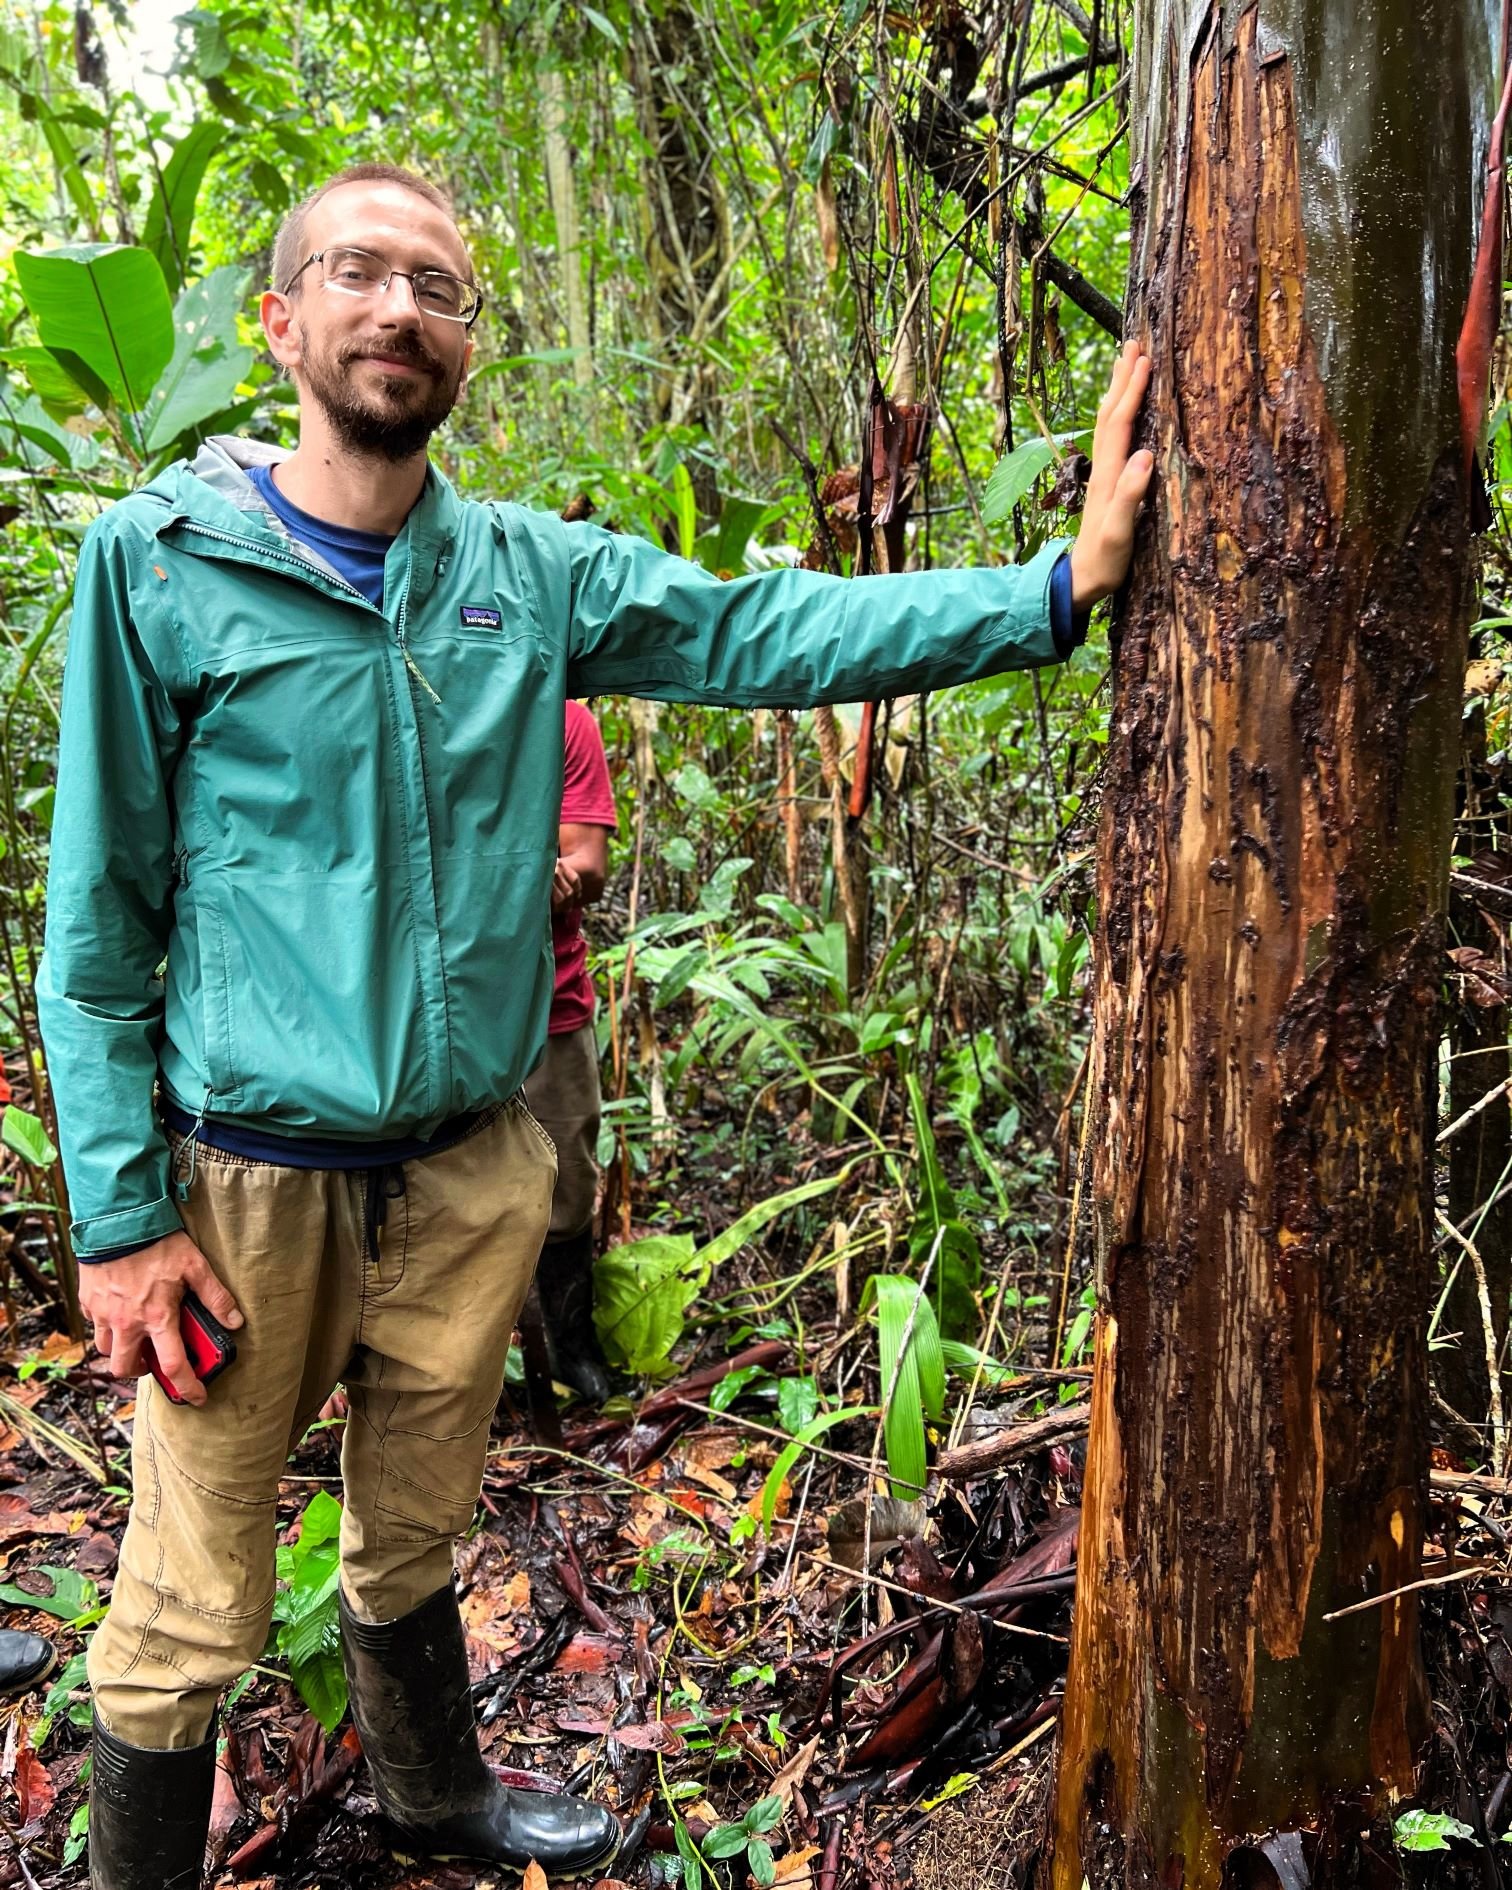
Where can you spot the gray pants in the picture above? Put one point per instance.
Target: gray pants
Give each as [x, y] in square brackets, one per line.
[563, 1093]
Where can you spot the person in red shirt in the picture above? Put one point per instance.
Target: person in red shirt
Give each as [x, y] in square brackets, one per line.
[563, 1092]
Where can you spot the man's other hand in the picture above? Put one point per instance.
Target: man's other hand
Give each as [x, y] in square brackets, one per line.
[1105, 544]
[566, 887]
[136, 1299]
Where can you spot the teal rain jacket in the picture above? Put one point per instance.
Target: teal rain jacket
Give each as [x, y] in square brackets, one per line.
[302, 853]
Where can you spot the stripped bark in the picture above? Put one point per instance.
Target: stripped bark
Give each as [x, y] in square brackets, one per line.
[1273, 874]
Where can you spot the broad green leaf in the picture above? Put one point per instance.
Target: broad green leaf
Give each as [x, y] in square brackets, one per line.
[207, 364]
[321, 1522]
[912, 1375]
[764, 1815]
[725, 1840]
[50, 380]
[73, 1595]
[39, 440]
[1430, 1831]
[734, 1383]
[763, 1864]
[600, 25]
[36, 110]
[109, 305]
[642, 1290]
[685, 507]
[687, 1850]
[1013, 475]
[797, 1403]
[323, 1688]
[174, 194]
[22, 1131]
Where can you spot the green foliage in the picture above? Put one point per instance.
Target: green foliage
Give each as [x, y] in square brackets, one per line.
[1430, 1831]
[175, 191]
[74, 1598]
[912, 1371]
[22, 1131]
[206, 366]
[748, 1839]
[1014, 475]
[105, 306]
[642, 1289]
[306, 1611]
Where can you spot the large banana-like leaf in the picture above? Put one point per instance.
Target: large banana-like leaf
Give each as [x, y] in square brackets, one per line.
[208, 362]
[171, 216]
[107, 304]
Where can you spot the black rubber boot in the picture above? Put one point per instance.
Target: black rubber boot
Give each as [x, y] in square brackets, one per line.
[25, 1660]
[412, 1706]
[564, 1279]
[149, 1814]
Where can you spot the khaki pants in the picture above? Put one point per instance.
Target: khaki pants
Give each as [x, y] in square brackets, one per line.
[413, 1317]
[564, 1094]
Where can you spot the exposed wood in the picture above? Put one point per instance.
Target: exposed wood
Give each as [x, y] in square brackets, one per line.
[1272, 881]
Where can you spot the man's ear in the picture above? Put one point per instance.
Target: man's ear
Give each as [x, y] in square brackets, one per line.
[467, 355]
[281, 329]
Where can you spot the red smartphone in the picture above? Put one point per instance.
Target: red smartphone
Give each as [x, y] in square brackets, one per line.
[209, 1346]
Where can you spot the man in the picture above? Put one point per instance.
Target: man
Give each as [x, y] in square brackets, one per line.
[564, 1091]
[310, 767]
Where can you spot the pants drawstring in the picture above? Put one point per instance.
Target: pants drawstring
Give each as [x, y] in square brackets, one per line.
[383, 1184]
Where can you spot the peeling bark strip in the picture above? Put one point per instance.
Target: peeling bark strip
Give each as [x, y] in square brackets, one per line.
[1273, 870]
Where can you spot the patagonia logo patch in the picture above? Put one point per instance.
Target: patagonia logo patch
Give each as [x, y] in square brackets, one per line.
[475, 617]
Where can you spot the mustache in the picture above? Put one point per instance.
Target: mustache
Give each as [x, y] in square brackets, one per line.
[402, 348]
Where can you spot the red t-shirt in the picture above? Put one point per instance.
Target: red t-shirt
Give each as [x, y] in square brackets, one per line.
[587, 801]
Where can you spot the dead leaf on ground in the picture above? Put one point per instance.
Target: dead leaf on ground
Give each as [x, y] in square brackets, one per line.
[535, 1877]
[794, 1868]
[794, 1772]
[18, 1520]
[892, 1522]
[35, 1791]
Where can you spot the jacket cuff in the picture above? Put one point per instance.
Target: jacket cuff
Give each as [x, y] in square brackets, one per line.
[106, 1236]
[1068, 625]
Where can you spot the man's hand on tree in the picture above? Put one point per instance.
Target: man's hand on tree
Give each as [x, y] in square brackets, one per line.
[137, 1298]
[566, 887]
[1105, 544]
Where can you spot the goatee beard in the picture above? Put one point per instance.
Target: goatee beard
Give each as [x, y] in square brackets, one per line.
[378, 425]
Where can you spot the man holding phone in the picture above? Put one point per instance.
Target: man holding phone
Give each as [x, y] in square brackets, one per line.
[298, 967]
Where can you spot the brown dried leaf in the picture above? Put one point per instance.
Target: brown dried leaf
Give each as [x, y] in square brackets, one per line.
[535, 1877]
[829, 216]
[892, 1522]
[35, 1791]
[794, 1772]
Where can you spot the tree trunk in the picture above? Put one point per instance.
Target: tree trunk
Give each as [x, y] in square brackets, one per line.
[687, 225]
[1273, 873]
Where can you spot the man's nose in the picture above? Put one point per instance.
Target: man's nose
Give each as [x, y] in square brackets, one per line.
[398, 303]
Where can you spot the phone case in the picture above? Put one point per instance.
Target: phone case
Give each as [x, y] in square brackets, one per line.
[209, 1346]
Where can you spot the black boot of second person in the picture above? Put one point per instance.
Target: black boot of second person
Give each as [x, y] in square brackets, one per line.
[564, 1280]
[412, 1707]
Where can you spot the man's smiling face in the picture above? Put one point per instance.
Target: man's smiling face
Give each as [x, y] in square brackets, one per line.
[385, 373]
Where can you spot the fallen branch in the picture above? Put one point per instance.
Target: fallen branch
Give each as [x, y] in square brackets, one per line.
[1022, 1440]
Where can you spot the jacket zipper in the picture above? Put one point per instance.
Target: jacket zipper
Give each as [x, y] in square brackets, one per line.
[305, 569]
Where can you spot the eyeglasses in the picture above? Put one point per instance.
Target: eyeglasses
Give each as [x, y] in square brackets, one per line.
[360, 272]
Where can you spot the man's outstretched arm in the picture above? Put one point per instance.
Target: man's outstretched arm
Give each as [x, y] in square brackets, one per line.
[643, 623]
